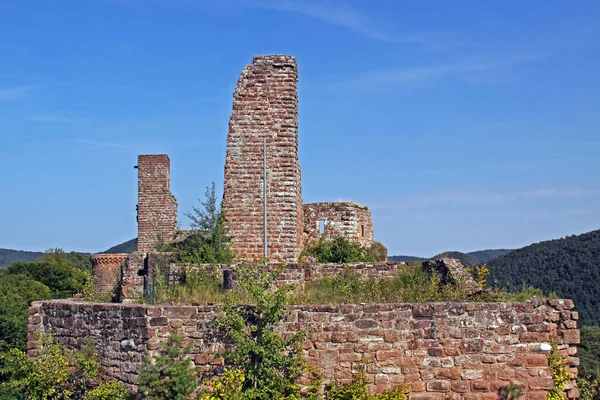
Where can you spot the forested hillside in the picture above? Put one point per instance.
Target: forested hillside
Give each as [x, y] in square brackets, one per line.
[125, 247]
[570, 267]
[471, 258]
[406, 258]
[8, 256]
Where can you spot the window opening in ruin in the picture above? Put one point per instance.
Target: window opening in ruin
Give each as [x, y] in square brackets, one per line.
[362, 231]
[321, 226]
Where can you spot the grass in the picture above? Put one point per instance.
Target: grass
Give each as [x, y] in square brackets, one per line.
[410, 285]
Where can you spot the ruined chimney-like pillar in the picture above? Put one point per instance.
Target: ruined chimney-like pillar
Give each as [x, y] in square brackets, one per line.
[106, 269]
[265, 105]
[157, 207]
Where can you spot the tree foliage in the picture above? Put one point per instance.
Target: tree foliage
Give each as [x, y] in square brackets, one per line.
[170, 373]
[271, 363]
[16, 294]
[211, 244]
[570, 267]
[589, 351]
[342, 250]
[55, 374]
[57, 270]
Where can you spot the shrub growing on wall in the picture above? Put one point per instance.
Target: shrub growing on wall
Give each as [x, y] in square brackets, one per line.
[342, 250]
[55, 374]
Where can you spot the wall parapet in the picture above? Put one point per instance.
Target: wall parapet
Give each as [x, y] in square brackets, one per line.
[436, 349]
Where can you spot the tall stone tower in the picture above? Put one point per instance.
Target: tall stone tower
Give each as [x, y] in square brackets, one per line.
[265, 105]
[157, 207]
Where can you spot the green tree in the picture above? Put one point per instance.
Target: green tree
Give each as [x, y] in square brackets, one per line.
[211, 244]
[55, 270]
[16, 294]
[342, 250]
[56, 374]
[271, 363]
[168, 375]
[589, 350]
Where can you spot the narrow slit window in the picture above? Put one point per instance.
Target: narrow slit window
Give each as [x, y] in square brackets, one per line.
[362, 231]
[321, 226]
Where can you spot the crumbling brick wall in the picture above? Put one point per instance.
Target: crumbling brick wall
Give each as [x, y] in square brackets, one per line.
[438, 350]
[157, 207]
[106, 269]
[298, 274]
[265, 105]
[338, 219]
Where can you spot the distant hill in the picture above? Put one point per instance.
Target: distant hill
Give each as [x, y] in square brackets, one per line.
[125, 247]
[464, 258]
[487, 255]
[406, 258]
[471, 258]
[7, 256]
[569, 266]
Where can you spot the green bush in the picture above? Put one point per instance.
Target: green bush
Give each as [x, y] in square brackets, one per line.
[271, 363]
[170, 374]
[342, 250]
[411, 284]
[560, 375]
[56, 374]
[357, 390]
[211, 245]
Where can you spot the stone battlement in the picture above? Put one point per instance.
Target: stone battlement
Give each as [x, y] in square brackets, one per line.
[466, 350]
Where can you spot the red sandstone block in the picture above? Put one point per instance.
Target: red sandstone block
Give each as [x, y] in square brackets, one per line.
[488, 359]
[536, 360]
[489, 396]
[480, 385]
[506, 374]
[541, 383]
[418, 386]
[472, 396]
[573, 393]
[426, 396]
[460, 386]
[537, 395]
[422, 310]
[384, 355]
[435, 351]
[438, 386]
[571, 336]
[159, 321]
[452, 373]
[569, 324]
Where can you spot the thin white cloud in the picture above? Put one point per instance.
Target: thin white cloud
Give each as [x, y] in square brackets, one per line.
[17, 93]
[347, 17]
[476, 69]
[481, 198]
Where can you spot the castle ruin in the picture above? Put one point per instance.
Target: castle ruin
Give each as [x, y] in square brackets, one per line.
[438, 350]
[262, 149]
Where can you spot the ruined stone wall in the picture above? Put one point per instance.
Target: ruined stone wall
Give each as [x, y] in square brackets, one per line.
[106, 268]
[297, 274]
[438, 350]
[157, 207]
[339, 219]
[265, 105]
[132, 277]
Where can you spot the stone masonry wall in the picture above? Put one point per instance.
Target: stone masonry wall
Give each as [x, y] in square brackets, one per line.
[297, 273]
[340, 219]
[265, 105]
[157, 207]
[106, 268]
[438, 350]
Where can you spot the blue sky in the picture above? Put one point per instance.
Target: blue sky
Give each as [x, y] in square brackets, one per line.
[463, 125]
